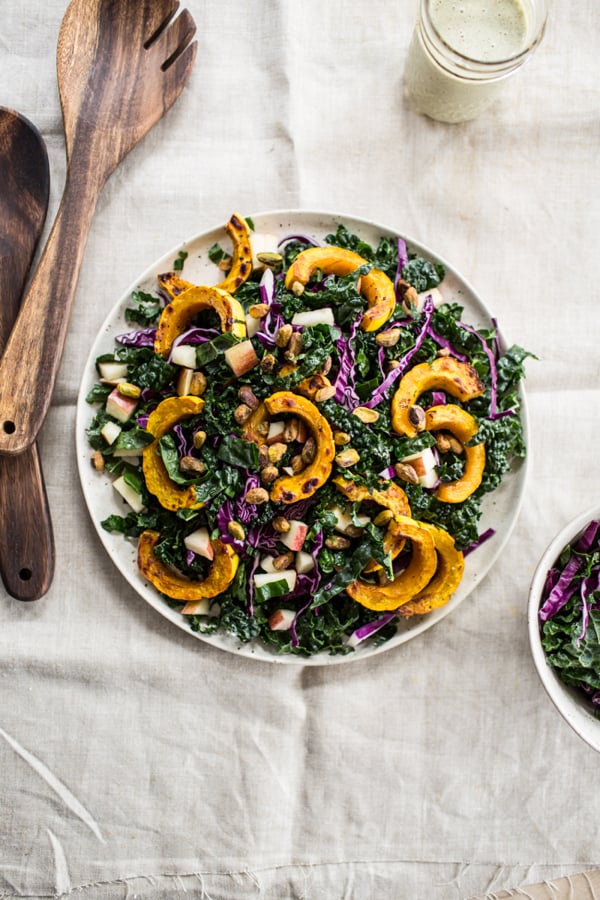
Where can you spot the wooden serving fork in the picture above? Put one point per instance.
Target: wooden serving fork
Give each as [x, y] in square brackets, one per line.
[121, 64]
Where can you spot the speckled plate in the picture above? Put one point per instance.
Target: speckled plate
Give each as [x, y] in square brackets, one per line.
[500, 509]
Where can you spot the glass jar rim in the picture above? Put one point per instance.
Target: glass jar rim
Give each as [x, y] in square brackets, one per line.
[464, 66]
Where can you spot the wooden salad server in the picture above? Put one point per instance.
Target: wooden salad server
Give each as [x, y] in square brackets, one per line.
[121, 64]
[26, 537]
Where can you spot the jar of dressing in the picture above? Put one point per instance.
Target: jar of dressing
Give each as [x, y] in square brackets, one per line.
[462, 51]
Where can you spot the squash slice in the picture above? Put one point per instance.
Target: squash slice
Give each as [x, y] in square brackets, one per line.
[448, 575]
[459, 379]
[177, 316]
[407, 584]
[290, 488]
[176, 586]
[241, 263]
[162, 420]
[463, 426]
[375, 287]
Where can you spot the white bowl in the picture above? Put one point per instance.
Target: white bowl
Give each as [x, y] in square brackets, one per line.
[570, 702]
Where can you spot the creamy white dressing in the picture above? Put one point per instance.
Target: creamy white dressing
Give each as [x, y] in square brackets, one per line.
[486, 33]
[483, 30]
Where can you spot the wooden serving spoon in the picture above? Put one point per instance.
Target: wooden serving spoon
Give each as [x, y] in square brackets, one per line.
[26, 537]
[121, 65]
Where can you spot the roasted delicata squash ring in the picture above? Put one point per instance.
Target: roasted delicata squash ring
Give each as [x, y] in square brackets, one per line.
[162, 420]
[241, 262]
[448, 575]
[459, 379]
[222, 571]
[463, 426]
[291, 488]
[407, 584]
[392, 498]
[177, 316]
[375, 287]
[173, 284]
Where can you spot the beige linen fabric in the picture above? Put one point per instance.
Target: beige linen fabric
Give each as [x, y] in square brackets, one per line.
[138, 762]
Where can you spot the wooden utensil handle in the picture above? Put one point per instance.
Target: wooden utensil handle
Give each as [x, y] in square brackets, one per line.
[31, 358]
[26, 537]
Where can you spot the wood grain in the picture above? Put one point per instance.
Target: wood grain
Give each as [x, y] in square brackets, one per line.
[26, 535]
[121, 65]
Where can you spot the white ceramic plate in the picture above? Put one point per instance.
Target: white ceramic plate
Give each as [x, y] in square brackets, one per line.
[570, 702]
[500, 509]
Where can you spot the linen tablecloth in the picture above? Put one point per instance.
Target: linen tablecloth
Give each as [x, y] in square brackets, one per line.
[136, 761]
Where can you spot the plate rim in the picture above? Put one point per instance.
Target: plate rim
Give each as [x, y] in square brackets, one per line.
[254, 649]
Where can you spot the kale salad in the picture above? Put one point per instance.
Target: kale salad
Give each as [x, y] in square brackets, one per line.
[569, 615]
[301, 448]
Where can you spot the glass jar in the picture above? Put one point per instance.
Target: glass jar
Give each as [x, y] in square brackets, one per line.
[462, 52]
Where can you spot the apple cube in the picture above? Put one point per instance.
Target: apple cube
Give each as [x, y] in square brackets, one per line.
[263, 243]
[281, 619]
[241, 358]
[275, 433]
[112, 372]
[322, 316]
[252, 326]
[110, 432]
[266, 564]
[204, 607]
[295, 537]
[424, 465]
[120, 407]
[287, 577]
[199, 542]
[184, 355]
[344, 520]
[304, 562]
[183, 382]
[129, 494]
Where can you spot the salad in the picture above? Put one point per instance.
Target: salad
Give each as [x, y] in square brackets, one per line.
[302, 449]
[569, 615]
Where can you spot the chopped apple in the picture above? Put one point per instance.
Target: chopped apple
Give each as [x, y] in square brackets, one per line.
[344, 520]
[295, 537]
[304, 562]
[204, 607]
[263, 243]
[424, 464]
[252, 326]
[281, 619]
[184, 381]
[266, 564]
[199, 542]
[275, 433]
[120, 407]
[241, 358]
[322, 316]
[279, 583]
[110, 432]
[184, 355]
[112, 372]
[129, 494]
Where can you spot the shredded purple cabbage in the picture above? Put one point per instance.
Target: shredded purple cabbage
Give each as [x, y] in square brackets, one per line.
[562, 591]
[142, 338]
[402, 260]
[301, 238]
[493, 372]
[382, 391]
[345, 393]
[480, 540]
[371, 628]
[444, 342]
